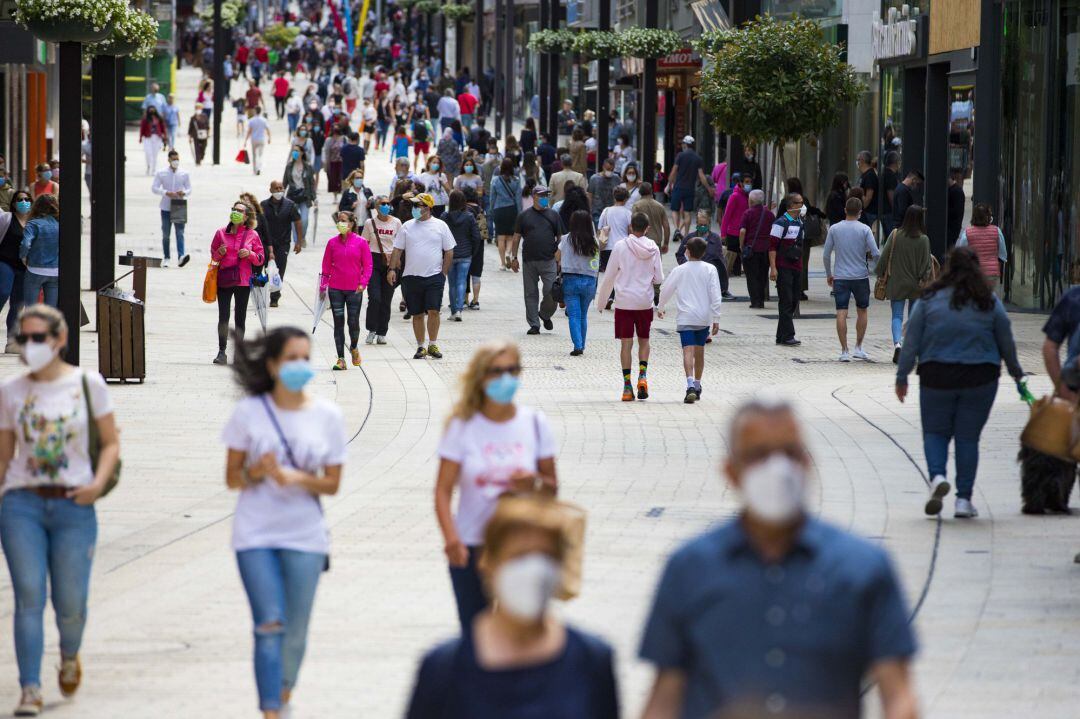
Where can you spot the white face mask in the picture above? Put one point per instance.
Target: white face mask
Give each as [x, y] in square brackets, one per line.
[607, 173]
[277, 195]
[802, 211]
[38, 355]
[524, 585]
[174, 164]
[773, 489]
[630, 177]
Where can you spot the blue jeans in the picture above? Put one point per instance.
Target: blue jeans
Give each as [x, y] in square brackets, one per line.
[303, 208]
[35, 283]
[459, 275]
[468, 590]
[294, 120]
[171, 132]
[957, 414]
[166, 223]
[898, 318]
[11, 288]
[280, 584]
[46, 541]
[578, 293]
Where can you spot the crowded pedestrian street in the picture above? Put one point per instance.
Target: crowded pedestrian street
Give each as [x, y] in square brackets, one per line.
[607, 458]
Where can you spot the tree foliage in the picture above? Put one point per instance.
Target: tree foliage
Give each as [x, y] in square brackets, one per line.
[456, 12]
[279, 36]
[774, 82]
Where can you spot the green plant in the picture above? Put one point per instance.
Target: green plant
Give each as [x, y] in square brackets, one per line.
[232, 12]
[456, 12]
[647, 42]
[95, 13]
[279, 37]
[552, 41]
[133, 29]
[427, 7]
[598, 44]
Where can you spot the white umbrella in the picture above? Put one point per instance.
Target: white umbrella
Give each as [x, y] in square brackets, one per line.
[321, 301]
[260, 297]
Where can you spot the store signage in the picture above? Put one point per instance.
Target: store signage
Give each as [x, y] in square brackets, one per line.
[897, 35]
[685, 59]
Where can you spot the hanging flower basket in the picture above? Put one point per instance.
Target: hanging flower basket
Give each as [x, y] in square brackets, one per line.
[598, 44]
[552, 41]
[134, 34]
[232, 11]
[456, 12]
[647, 43]
[427, 7]
[69, 20]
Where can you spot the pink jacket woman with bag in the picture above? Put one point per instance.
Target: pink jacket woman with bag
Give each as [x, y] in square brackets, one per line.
[237, 250]
[346, 271]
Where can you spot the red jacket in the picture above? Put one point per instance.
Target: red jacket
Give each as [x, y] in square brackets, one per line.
[242, 54]
[146, 128]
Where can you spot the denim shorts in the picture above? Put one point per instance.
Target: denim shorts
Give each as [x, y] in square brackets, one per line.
[694, 338]
[682, 199]
[844, 289]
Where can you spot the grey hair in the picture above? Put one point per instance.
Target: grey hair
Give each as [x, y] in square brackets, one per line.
[865, 156]
[757, 197]
[762, 403]
[565, 160]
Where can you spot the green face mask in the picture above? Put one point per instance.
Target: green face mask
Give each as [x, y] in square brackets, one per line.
[703, 229]
[343, 227]
[236, 217]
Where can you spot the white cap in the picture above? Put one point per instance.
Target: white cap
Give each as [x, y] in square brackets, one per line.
[688, 140]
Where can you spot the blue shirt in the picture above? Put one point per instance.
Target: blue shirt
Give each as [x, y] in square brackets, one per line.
[41, 242]
[785, 639]
[171, 114]
[1063, 324]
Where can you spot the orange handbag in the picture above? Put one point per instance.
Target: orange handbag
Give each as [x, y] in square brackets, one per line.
[209, 285]
[1050, 428]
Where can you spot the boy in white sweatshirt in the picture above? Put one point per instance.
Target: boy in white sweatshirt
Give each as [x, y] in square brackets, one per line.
[698, 288]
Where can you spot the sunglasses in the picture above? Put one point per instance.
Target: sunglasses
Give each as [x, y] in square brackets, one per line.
[515, 370]
[38, 337]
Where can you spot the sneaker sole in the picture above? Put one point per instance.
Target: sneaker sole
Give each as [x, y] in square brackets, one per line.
[690, 400]
[933, 505]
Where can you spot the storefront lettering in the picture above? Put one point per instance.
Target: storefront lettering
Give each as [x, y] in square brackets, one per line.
[896, 37]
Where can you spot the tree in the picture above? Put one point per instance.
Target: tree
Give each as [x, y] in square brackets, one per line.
[774, 82]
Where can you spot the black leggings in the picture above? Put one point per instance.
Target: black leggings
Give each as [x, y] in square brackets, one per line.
[224, 299]
[340, 301]
[380, 298]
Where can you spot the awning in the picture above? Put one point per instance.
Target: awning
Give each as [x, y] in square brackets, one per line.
[711, 14]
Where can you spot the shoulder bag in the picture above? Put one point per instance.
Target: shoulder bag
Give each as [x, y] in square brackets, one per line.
[881, 285]
[94, 442]
[748, 246]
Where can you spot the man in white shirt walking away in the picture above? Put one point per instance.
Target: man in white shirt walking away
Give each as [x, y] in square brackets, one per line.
[699, 299]
[258, 133]
[853, 243]
[174, 186]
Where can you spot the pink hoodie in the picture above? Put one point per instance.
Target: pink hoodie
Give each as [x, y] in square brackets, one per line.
[734, 211]
[244, 239]
[632, 270]
[346, 264]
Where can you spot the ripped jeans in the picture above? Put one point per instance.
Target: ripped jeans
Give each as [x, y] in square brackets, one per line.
[280, 584]
[47, 539]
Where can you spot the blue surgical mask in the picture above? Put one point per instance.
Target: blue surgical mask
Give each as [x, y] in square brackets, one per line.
[503, 388]
[22, 206]
[416, 213]
[385, 209]
[295, 374]
[302, 133]
[46, 176]
[543, 202]
[2, 181]
[748, 187]
[357, 183]
[295, 155]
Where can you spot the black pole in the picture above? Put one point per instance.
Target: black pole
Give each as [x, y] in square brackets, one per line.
[478, 49]
[603, 90]
[508, 73]
[987, 160]
[459, 45]
[647, 122]
[442, 41]
[103, 171]
[121, 122]
[936, 154]
[554, 21]
[500, 76]
[69, 70]
[544, 83]
[219, 80]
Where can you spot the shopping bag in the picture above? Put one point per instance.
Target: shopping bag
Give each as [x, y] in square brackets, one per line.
[321, 301]
[273, 276]
[178, 211]
[242, 156]
[209, 287]
[1049, 429]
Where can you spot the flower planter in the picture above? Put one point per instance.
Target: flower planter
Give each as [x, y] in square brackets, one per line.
[67, 31]
[117, 48]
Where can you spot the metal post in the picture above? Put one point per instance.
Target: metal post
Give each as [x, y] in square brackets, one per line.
[544, 83]
[603, 90]
[509, 75]
[478, 48]
[219, 80]
[103, 171]
[500, 74]
[69, 70]
[987, 160]
[648, 104]
[378, 21]
[936, 163]
[120, 158]
[554, 21]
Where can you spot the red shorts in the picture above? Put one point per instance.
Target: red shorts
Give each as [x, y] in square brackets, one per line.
[421, 147]
[627, 322]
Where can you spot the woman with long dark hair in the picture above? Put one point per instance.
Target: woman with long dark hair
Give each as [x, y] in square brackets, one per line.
[906, 260]
[504, 205]
[237, 250]
[12, 270]
[574, 199]
[834, 204]
[959, 334]
[40, 251]
[285, 450]
[579, 262]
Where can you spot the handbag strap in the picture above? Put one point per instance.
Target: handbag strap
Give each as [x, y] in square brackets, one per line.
[93, 438]
[892, 251]
[280, 434]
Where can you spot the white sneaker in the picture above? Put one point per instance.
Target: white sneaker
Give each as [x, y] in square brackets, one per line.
[380, 339]
[370, 338]
[965, 509]
[845, 357]
[939, 487]
[30, 703]
[165, 262]
[860, 353]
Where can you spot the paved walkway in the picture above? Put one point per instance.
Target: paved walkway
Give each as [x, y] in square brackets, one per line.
[169, 627]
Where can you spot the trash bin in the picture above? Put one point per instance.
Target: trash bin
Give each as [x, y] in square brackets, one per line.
[121, 335]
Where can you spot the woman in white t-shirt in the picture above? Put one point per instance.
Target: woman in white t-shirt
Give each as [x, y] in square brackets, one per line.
[48, 526]
[285, 450]
[491, 446]
[436, 184]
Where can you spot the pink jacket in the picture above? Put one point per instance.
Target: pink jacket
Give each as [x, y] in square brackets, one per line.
[734, 211]
[244, 239]
[632, 270]
[719, 178]
[346, 264]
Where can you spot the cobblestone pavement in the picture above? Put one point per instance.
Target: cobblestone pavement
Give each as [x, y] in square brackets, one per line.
[169, 628]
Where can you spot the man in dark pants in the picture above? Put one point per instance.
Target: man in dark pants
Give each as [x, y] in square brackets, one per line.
[536, 233]
[785, 263]
[282, 217]
[956, 202]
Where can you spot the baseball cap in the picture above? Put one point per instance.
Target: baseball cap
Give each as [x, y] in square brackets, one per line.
[423, 199]
[541, 190]
[688, 140]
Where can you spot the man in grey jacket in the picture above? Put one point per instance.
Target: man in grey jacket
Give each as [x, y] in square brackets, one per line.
[853, 243]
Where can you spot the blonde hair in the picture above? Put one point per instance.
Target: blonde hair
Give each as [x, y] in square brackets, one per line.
[472, 380]
[517, 512]
[251, 219]
[47, 314]
[252, 202]
[355, 173]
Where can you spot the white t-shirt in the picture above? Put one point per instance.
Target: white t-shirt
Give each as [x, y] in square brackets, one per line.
[269, 516]
[489, 452]
[616, 217]
[51, 429]
[424, 244]
[258, 127]
[433, 185]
